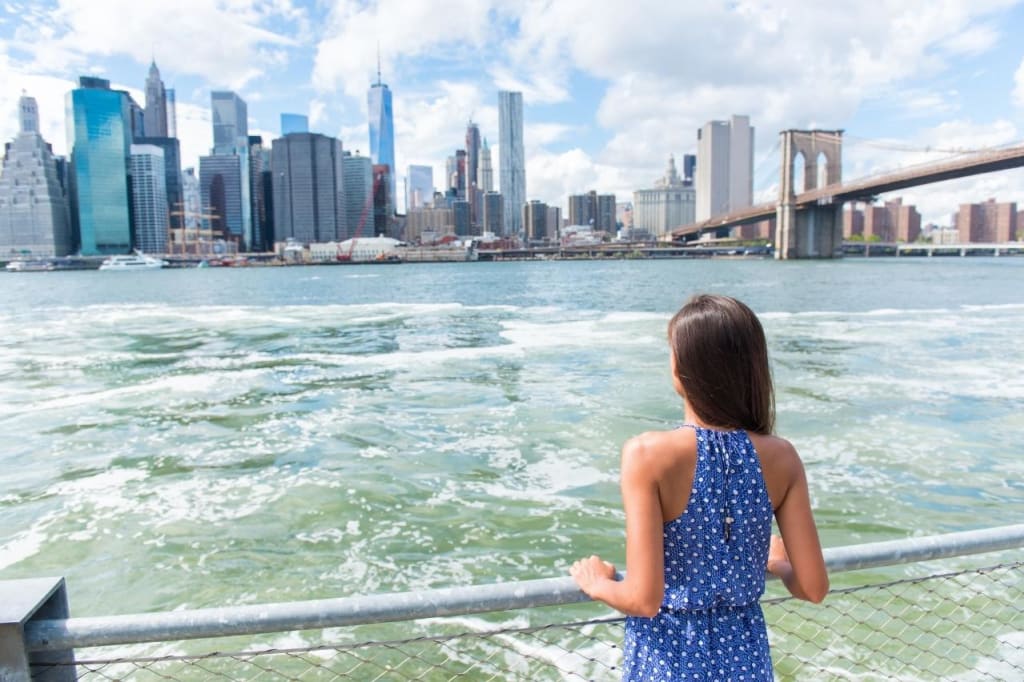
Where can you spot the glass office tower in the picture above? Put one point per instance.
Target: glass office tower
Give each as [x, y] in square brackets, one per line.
[382, 131]
[100, 138]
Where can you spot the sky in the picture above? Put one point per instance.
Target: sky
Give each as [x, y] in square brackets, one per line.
[610, 88]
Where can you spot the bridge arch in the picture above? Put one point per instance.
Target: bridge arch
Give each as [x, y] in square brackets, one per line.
[811, 160]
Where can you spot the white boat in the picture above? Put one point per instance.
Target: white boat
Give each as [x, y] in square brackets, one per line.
[137, 261]
[29, 266]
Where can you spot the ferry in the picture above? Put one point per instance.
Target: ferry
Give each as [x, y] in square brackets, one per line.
[29, 266]
[137, 261]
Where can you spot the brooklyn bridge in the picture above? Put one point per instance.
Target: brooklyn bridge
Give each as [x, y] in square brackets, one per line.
[809, 219]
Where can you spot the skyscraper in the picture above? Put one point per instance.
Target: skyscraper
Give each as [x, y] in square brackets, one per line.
[33, 208]
[725, 166]
[261, 195]
[494, 213]
[473, 194]
[382, 131]
[358, 173]
[149, 198]
[308, 188]
[486, 172]
[535, 221]
[421, 186]
[231, 140]
[156, 105]
[294, 123]
[230, 121]
[220, 186]
[172, 174]
[100, 137]
[512, 178]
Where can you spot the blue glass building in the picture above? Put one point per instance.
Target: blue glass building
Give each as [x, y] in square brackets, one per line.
[294, 123]
[382, 131]
[100, 138]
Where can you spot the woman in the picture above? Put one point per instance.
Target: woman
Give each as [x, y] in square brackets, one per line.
[699, 502]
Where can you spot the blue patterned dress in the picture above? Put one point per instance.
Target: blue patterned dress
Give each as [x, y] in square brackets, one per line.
[710, 625]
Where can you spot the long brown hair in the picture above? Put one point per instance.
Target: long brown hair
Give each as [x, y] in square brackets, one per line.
[721, 360]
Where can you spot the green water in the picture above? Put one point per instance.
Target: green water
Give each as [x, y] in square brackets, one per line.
[208, 437]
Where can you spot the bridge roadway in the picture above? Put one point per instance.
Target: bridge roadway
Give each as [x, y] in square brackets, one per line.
[867, 188]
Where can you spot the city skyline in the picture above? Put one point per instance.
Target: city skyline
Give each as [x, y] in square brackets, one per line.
[596, 116]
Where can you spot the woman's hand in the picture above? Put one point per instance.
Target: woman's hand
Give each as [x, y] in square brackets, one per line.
[591, 572]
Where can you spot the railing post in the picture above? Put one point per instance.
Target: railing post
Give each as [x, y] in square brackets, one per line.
[22, 601]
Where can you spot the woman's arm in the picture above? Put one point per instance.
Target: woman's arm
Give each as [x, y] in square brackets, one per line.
[796, 557]
[641, 592]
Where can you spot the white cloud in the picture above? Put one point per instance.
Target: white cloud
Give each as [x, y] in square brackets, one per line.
[228, 43]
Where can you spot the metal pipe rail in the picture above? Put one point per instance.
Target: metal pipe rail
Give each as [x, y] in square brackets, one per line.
[71, 633]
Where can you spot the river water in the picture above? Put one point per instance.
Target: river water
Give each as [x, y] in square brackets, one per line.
[206, 437]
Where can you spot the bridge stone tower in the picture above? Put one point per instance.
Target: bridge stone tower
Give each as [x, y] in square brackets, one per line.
[809, 231]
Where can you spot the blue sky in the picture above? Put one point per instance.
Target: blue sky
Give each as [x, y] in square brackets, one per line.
[610, 89]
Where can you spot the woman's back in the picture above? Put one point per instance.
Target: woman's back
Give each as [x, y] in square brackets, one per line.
[716, 550]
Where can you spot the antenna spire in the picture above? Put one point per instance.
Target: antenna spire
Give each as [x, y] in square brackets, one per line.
[378, 62]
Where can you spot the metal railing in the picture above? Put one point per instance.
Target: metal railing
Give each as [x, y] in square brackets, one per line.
[967, 623]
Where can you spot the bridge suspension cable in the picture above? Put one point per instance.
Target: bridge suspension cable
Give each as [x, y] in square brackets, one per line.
[928, 149]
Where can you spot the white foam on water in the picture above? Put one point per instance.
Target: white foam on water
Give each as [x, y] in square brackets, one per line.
[23, 545]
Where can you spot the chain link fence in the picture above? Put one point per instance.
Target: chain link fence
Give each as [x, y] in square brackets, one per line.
[964, 625]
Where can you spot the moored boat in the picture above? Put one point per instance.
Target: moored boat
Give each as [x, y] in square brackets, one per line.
[136, 261]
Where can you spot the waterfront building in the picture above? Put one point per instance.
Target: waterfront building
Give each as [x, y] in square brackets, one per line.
[149, 198]
[382, 132]
[220, 188]
[100, 137]
[593, 209]
[172, 113]
[890, 222]
[853, 221]
[668, 205]
[261, 195]
[725, 167]
[535, 221]
[357, 172]
[34, 218]
[461, 218]
[171, 148]
[420, 186]
[308, 188]
[294, 123]
[427, 220]
[987, 222]
[155, 117]
[485, 179]
[761, 230]
[554, 222]
[512, 176]
[494, 213]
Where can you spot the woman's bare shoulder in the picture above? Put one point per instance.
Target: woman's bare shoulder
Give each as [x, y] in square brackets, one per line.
[660, 448]
[776, 453]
